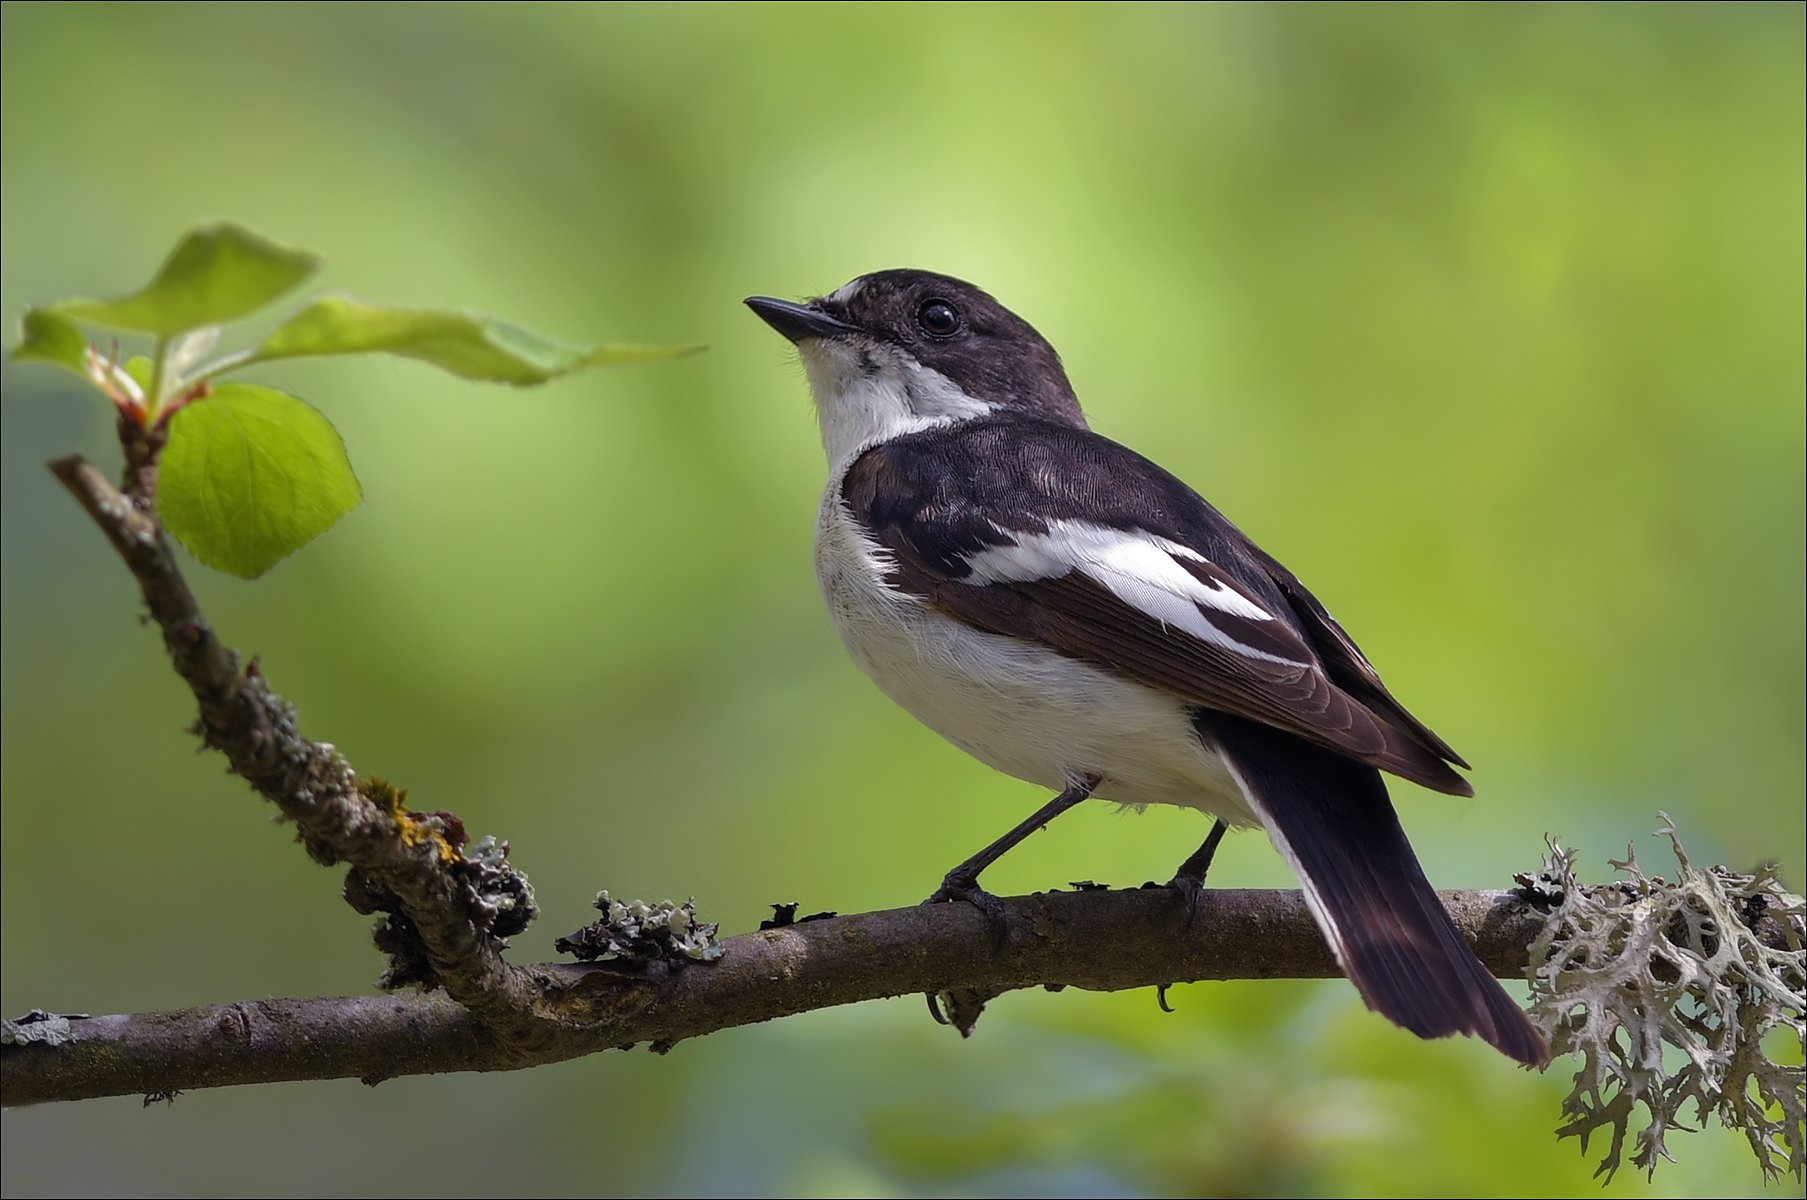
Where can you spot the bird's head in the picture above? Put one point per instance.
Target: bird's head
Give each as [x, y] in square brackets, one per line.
[899, 351]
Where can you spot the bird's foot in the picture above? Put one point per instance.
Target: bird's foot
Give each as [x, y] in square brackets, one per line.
[961, 1008]
[964, 886]
[1192, 894]
[959, 885]
[1189, 880]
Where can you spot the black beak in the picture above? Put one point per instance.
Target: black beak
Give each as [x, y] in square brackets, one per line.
[798, 321]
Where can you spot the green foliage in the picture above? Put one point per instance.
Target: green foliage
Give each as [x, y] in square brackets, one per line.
[251, 474]
[46, 336]
[472, 346]
[216, 273]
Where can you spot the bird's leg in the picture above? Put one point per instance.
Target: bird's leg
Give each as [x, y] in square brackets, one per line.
[962, 883]
[1189, 880]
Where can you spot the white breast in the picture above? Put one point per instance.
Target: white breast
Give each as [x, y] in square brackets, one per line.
[1021, 708]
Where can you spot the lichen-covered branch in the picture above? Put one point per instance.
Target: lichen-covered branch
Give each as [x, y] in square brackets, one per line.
[1097, 939]
[403, 863]
[1710, 965]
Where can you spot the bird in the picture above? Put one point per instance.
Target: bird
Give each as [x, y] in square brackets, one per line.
[1069, 613]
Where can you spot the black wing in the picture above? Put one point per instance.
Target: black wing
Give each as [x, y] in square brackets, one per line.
[1054, 534]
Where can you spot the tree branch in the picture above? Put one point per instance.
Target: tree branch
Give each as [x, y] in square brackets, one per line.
[400, 854]
[1099, 940]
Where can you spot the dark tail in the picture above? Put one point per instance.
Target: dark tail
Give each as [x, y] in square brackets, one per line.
[1331, 818]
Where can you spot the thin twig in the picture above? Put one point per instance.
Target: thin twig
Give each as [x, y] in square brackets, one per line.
[309, 781]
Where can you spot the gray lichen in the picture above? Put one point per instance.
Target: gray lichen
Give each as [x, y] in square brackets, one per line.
[1670, 994]
[43, 1028]
[503, 893]
[642, 932]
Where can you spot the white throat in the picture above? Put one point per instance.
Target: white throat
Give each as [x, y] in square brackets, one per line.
[871, 393]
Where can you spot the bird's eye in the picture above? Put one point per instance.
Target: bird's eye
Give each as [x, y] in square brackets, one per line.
[938, 318]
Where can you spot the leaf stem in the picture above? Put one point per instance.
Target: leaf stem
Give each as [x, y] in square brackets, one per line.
[159, 362]
[221, 366]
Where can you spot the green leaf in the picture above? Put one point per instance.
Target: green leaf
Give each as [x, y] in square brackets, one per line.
[465, 344]
[187, 351]
[44, 336]
[139, 370]
[250, 475]
[216, 273]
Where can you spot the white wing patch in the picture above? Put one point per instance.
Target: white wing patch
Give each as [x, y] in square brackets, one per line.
[1139, 568]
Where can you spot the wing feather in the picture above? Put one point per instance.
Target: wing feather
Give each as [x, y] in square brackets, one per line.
[1113, 561]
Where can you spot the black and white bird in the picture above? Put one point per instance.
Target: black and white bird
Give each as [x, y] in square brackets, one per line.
[1066, 611]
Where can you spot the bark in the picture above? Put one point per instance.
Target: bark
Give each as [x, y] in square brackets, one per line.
[1101, 940]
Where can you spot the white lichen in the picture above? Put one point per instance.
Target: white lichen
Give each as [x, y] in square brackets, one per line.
[643, 932]
[1669, 997]
[40, 1027]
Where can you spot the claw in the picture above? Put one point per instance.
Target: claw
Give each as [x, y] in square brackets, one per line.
[1192, 893]
[959, 887]
[1189, 880]
[962, 883]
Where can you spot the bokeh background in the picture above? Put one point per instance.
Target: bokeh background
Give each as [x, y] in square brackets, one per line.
[1487, 320]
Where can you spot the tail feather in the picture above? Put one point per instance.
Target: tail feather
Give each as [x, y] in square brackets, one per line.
[1331, 818]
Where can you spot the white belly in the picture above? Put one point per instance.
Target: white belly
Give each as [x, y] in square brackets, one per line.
[1023, 709]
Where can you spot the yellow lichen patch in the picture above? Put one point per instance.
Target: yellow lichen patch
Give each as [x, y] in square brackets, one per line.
[414, 831]
[415, 828]
[387, 795]
[448, 853]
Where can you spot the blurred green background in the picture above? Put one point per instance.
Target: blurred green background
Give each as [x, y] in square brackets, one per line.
[1487, 320]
